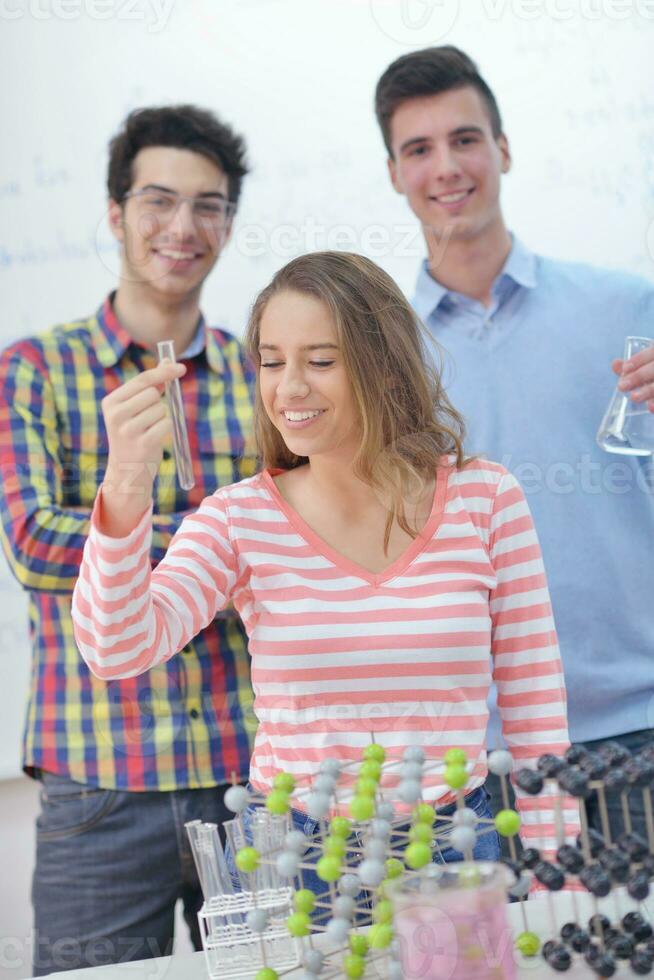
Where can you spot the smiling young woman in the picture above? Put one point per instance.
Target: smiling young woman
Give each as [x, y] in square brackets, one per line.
[383, 579]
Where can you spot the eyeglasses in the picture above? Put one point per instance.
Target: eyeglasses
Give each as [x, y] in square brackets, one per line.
[164, 205]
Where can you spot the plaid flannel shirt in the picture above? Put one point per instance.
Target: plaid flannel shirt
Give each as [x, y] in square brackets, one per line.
[189, 722]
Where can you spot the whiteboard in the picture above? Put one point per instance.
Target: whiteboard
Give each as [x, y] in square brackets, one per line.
[574, 80]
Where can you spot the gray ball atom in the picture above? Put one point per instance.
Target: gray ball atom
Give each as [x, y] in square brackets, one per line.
[376, 848]
[463, 839]
[324, 783]
[236, 798]
[409, 790]
[343, 907]
[318, 805]
[337, 930]
[385, 811]
[465, 817]
[308, 975]
[413, 753]
[287, 864]
[380, 829]
[349, 885]
[313, 960]
[296, 841]
[500, 762]
[332, 766]
[411, 770]
[371, 872]
[257, 920]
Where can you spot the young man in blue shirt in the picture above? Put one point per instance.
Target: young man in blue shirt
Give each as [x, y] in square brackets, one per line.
[530, 343]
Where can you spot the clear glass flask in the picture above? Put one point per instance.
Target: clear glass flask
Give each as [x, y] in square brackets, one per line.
[183, 464]
[628, 426]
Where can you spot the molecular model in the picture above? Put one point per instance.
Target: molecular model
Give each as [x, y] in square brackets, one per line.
[325, 901]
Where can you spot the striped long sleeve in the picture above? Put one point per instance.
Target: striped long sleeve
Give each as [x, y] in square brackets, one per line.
[340, 653]
[128, 619]
[527, 668]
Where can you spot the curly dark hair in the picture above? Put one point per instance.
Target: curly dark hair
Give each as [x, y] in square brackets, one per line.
[186, 127]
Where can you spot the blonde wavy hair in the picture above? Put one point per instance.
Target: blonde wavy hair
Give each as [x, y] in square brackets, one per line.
[407, 421]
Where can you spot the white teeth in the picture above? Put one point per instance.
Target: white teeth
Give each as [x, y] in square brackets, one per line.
[176, 255]
[300, 416]
[452, 198]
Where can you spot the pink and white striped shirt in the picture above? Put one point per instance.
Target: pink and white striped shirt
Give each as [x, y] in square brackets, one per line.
[338, 652]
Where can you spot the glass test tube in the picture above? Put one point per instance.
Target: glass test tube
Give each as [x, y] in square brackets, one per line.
[182, 449]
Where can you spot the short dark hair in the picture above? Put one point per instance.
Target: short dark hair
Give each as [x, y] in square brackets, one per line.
[429, 72]
[185, 127]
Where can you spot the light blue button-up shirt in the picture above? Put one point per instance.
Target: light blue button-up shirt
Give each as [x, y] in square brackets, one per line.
[532, 376]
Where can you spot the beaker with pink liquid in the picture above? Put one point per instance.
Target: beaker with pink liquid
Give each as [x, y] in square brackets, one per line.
[451, 922]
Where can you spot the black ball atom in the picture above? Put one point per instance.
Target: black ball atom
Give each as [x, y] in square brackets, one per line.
[580, 940]
[549, 765]
[615, 780]
[641, 962]
[638, 886]
[631, 920]
[530, 780]
[530, 857]
[570, 858]
[598, 924]
[549, 875]
[559, 958]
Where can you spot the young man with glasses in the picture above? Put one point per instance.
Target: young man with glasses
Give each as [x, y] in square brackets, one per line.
[124, 764]
[531, 342]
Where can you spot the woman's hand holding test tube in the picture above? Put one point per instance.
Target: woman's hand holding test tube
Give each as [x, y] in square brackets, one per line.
[138, 428]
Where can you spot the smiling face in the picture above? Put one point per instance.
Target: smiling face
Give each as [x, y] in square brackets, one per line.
[304, 386]
[169, 254]
[448, 164]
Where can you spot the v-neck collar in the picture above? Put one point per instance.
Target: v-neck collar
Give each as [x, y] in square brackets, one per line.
[350, 567]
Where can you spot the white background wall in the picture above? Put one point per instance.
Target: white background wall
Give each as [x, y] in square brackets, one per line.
[574, 79]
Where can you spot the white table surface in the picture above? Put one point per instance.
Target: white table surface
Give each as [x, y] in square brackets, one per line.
[191, 966]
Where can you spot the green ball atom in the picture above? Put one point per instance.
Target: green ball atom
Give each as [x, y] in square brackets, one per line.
[370, 769]
[284, 781]
[267, 973]
[421, 832]
[277, 802]
[362, 807]
[340, 827]
[527, 943]
[383, 911]
[247, 859]
[335, 846]
[354, 966]
[507, 823]
[376, 752]
[380, 935]
[417, 855]
[424, 813]
[456, 776]
[455, 757]
[394, 868]
[366, 786]
[359, 943]
[328, 868]
[304, 900]
[298, 924]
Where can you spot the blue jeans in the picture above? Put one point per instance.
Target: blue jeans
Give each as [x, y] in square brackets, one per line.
[110, 866]
[487, 847]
